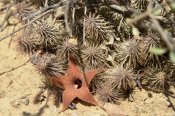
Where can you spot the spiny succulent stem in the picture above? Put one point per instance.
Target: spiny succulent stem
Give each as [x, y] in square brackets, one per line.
[8, 35]
[159, 28]
[15, 67]
[138, 18]
[6, 7]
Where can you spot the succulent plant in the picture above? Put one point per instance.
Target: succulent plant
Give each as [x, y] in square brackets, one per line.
[97, 29]
[156, 80]
[122, 78]
[94, 57]
[66, 48]
[42, 2]
[107, 93]
[123, 30]
[48, 32]
[57, 93]
[105, 12]
[90, 2]
[128, 94]
[140, 4]
[118, 20]
[96, 81]
[128, 53]
[24, 9]
[49, 65]
[77, 32]
[24, 46]
[151, 40]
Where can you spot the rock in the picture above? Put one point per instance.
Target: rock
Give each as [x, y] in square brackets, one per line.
[16, 103]
[24, 100]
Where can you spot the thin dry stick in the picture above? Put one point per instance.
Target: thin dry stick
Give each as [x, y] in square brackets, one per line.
[143, 15]
[138, 18]
[6, 7]
[11, 38]
[66, 15]
[15, 67]
[120, 24]
[43, 10]
[169, 100]
[162, 33]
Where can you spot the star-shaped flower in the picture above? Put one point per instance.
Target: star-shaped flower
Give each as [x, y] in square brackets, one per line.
[75, 84]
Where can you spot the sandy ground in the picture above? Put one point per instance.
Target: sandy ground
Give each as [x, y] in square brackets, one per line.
[19, 87]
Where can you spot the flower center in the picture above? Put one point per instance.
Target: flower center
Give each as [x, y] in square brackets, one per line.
[77, 83]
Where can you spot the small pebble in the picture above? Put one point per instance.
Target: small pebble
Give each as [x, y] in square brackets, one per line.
[16, 103]
[72, 106]
[24, 100]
